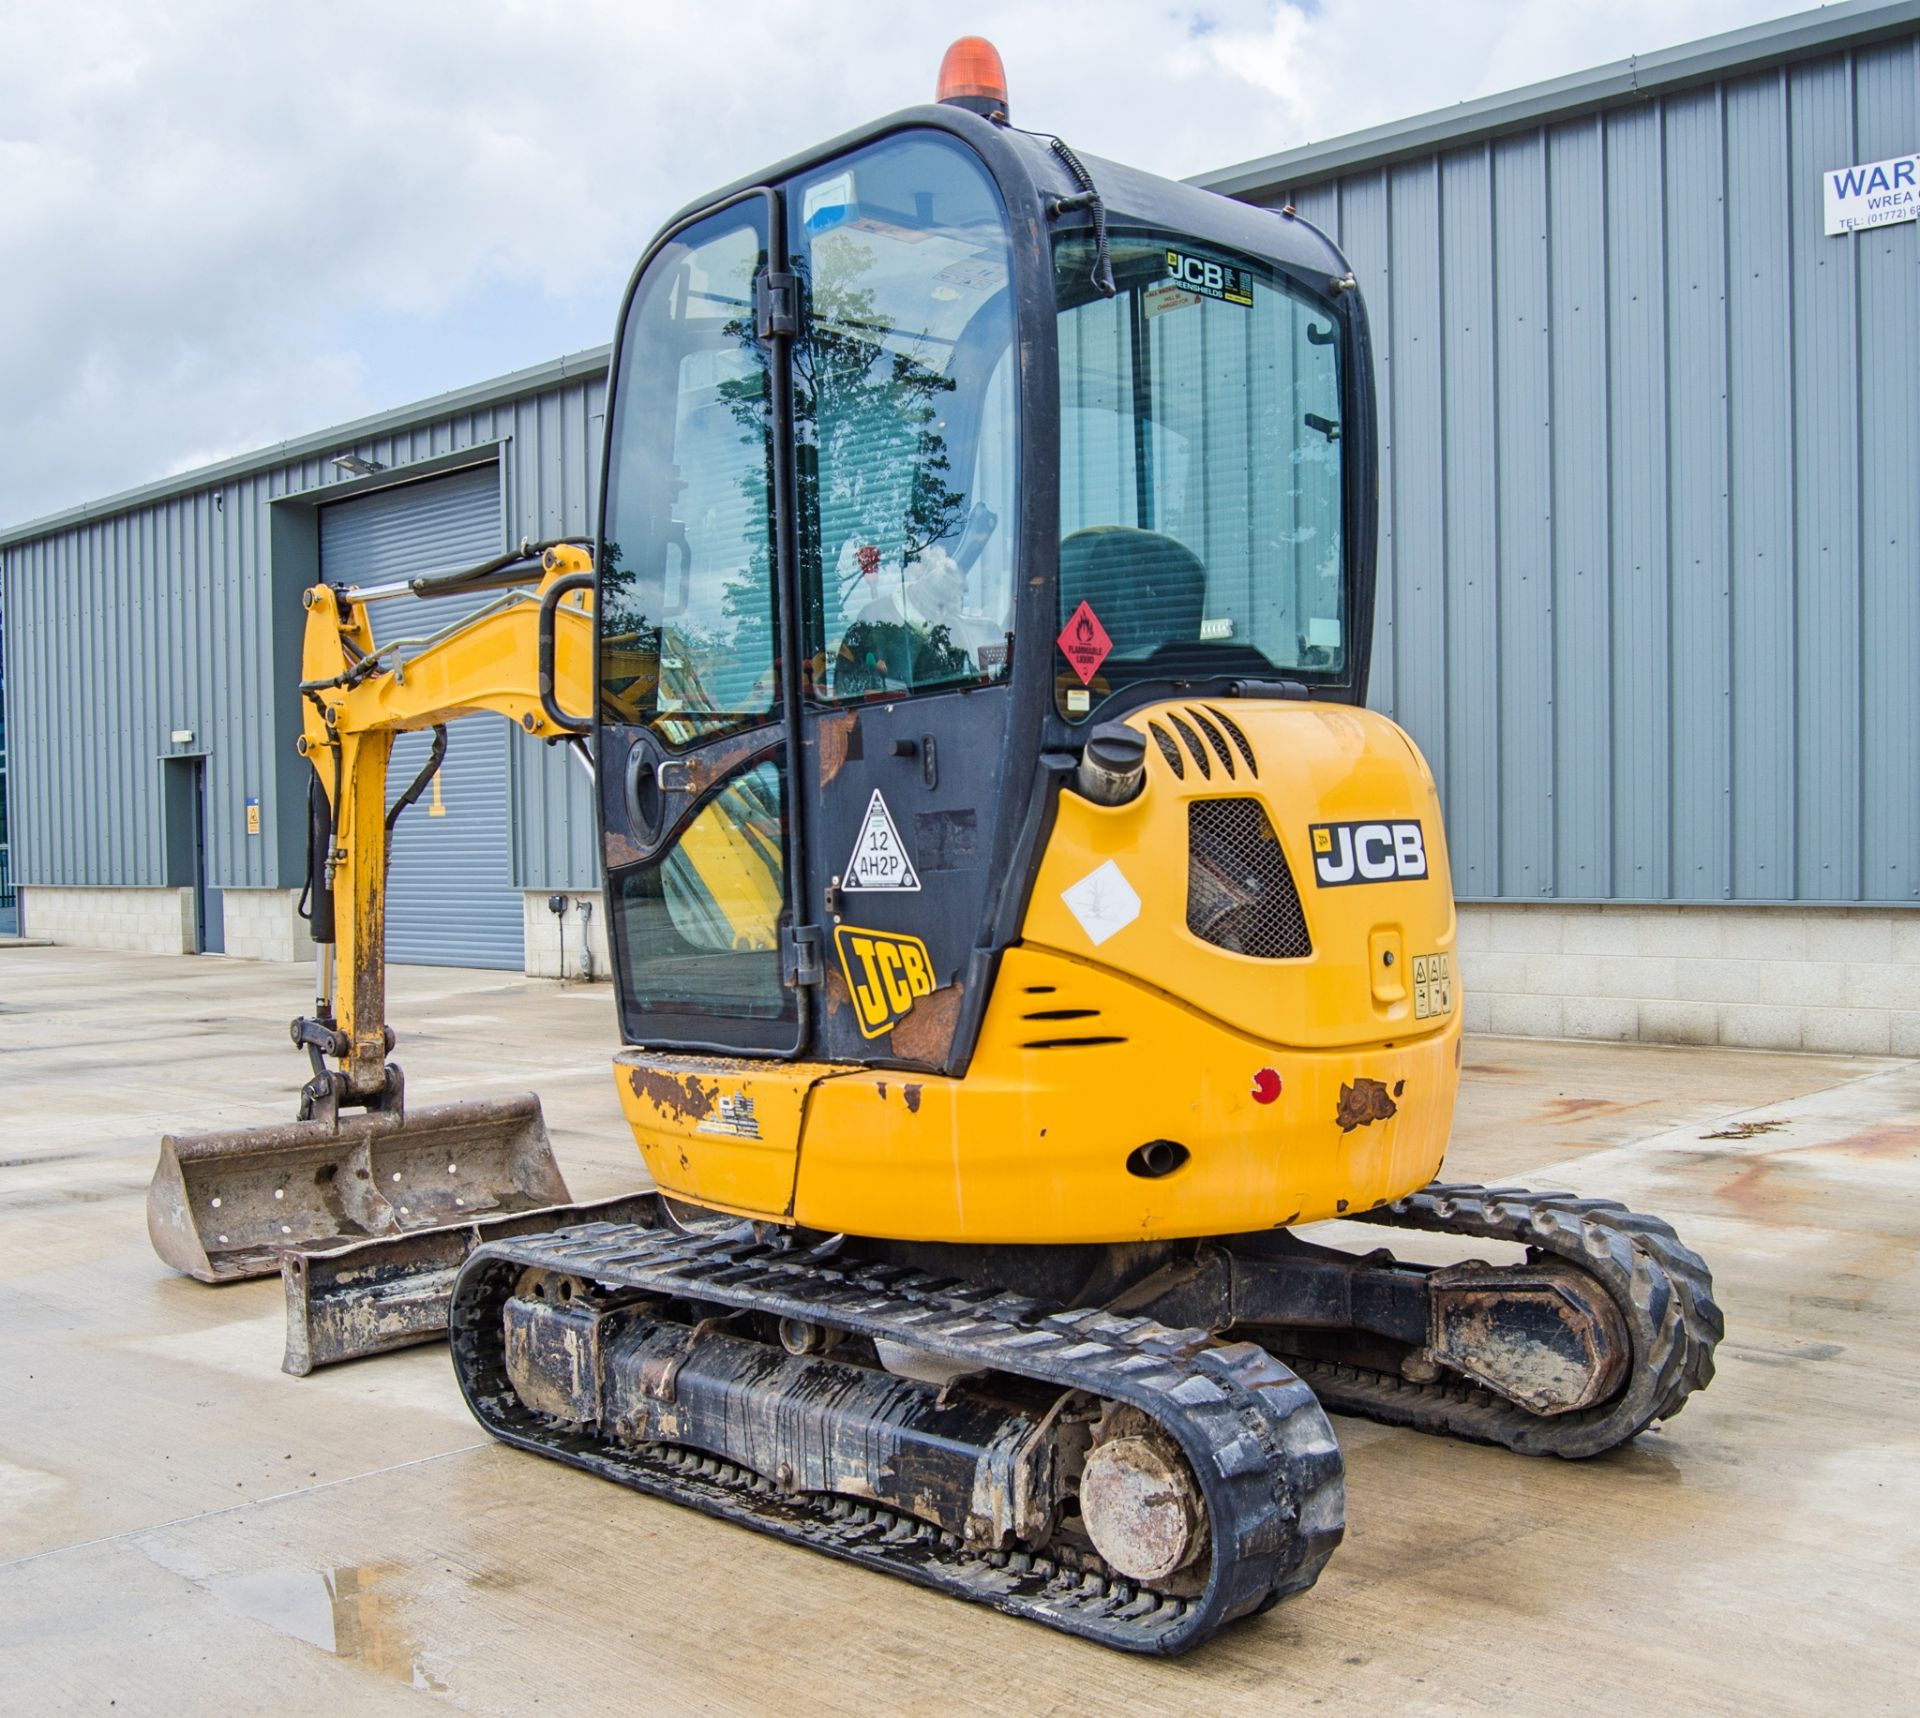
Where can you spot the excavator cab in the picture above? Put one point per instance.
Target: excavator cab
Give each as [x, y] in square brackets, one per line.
[927, 456]
[986, 572]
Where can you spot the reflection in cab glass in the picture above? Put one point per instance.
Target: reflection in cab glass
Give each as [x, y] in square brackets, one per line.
[702, 928]
[687, 633]
[1201, 501]
[687, 637]
[904, 412]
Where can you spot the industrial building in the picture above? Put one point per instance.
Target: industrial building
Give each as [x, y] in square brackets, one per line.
[1649, 542]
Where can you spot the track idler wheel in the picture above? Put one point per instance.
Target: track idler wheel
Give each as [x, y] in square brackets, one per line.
[1140, 1503]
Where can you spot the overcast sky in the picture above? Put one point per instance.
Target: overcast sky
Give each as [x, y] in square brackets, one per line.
[223, 222]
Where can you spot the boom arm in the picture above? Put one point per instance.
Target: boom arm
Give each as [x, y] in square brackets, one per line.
[358, 696]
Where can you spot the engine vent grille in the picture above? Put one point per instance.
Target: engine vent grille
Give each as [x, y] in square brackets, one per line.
[1217, 726]
[1240, 894]
[1239, 739]
[1169, 751]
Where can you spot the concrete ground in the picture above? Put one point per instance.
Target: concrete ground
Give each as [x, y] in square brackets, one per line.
[185, 1529]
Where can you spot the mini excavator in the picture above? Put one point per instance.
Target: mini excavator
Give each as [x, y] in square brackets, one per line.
[1023, 931]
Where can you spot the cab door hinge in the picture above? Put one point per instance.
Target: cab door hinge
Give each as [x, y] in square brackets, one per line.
[776, 306]
[805, 961]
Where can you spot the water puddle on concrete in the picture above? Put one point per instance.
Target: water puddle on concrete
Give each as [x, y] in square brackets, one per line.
[350, 1610]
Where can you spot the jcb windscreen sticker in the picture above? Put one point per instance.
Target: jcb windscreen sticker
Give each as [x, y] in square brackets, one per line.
[886, 974]
[1211, 279]
[879, 859]
[1367, 853]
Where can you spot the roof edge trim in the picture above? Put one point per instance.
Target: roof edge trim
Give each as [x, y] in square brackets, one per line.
[516, 384]
[1802, 35]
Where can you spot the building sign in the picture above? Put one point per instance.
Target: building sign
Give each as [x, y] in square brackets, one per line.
[1875, 194]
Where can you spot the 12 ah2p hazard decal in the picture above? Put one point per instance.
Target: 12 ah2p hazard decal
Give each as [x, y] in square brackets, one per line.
[886, 974]
[879, 859]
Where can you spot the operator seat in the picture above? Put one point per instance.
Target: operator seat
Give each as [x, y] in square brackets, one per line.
[1146, 588]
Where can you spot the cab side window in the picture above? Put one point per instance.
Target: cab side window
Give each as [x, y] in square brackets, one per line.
[905, 419]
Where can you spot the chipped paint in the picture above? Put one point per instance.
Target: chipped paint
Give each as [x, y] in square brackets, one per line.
[618, 850]
[677, 1099]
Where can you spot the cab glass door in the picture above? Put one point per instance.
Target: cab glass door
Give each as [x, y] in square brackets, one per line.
[906, 449]
[692, 774]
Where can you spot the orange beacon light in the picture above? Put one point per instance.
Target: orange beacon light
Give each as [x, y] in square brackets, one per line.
[972, 77]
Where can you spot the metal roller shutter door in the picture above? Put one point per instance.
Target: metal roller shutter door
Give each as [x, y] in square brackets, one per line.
[450, 898]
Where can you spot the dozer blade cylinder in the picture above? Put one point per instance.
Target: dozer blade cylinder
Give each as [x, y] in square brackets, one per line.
[366, 1297]
[223, 1206]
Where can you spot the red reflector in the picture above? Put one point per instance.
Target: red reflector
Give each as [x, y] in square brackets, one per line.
[971, 74]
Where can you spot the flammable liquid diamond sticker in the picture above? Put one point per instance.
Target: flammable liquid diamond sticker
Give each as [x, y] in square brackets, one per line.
[1103, 901]
[1084, 643]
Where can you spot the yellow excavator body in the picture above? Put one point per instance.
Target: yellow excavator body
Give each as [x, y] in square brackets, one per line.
[1273, 1092]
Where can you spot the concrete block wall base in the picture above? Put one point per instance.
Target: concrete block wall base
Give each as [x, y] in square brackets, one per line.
[558, 944]
[1842, 980]
[265, 924]
[146, 921]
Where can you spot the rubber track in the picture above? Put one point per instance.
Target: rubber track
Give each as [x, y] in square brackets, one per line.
[1257, 1438]
[1663, 1290]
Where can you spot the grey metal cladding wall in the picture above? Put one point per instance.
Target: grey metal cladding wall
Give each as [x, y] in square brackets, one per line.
[551, 458]
[553, 487]
[124, 628]
[450, 901]
[1650, 547]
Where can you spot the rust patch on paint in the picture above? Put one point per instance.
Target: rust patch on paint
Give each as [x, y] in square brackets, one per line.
[681, 1098]
[838, 996]
[835, 735]
[912, 1096]
[620, 851]
[926, 1033]
[1364, 1103]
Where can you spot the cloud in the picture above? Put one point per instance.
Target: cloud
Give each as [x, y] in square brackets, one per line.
[227, 223]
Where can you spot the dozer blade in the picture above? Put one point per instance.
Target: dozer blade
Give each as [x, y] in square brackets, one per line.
[365, 1297]
[223, 1206]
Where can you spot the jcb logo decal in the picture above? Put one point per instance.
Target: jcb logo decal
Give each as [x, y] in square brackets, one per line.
[1211, 279]
[1367, 853]
[886, 974]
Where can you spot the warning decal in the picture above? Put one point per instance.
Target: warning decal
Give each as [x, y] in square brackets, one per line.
[1084, 642]
[879, 859]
